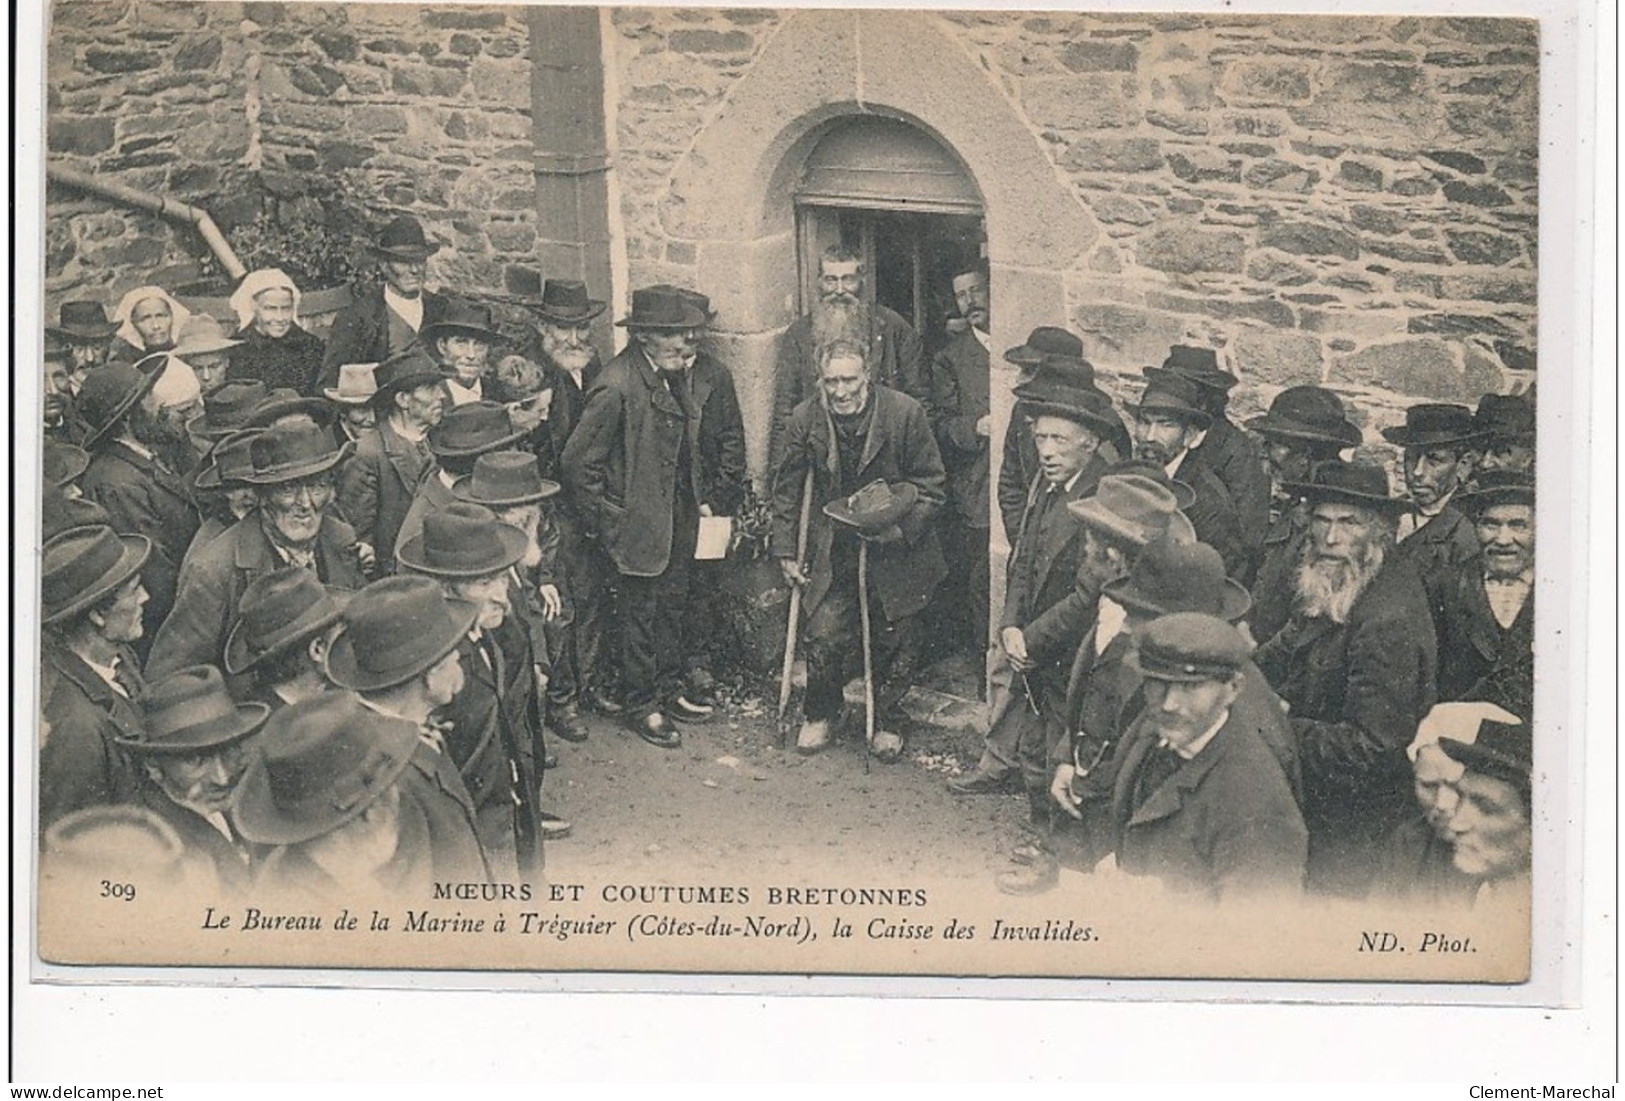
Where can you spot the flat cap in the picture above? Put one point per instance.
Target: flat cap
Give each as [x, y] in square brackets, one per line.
[1191, 646]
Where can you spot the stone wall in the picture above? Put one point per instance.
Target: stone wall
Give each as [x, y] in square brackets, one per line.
[230, 105]
[1341, 200]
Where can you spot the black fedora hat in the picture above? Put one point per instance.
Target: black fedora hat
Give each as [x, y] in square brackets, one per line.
[1363, 484]
[1045, 343]
[565, 302]
[1497, 487]
[229, 409]
[1505, 751]
[322, 762]
[277, 610]
[403, 239]
[1184, 495]
[461, 318]
[394, 630]
[60, 513]
[189, 711]
[1433, 424]
[1199, 365]
[81, 566]
[112, 391]
[1080, 404]
[407, 369]
[1168, 576]
[1190, 647]
[61, 463]
[664, 309]
[285, 402]
[473, 428]
[1505, 417]
[227, 462]
[700, 301]
[288, 452]
[1311, 414]
[462, 540]
[875, 507]
[83, 323]
[1176, 395]
[504, 479]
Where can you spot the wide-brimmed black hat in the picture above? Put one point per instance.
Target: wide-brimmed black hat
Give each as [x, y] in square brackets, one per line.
[277, 610]
[83, 323]
[1433, 424]
[407, 369]
[505, 479]
[112, 391]
[1175, 395]
[462, 540]
[565, 302]
[1199, 365]
[229, 409]
[79, 567]
[1496, 487]
[288, 452]
[394, 630]
[190, 711]
[322, 762]
[473, 428]
[1045, 343]
[1362, 484]
[1505, 751]
[403, 239]
[1505, 418]
[875, 507]
[1189, 647]
[1080, 404]
[286, 402]
[701, 302]
[462, 319]
[1311, 414]
[663, 309]
[1168, 577]
[1184, 494]
[228, 462]
[61, 463]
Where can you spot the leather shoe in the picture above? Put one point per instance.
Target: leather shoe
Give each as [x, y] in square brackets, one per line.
[701, 688]
[601, 702]
[1036, 878]
[656, 729]
[813, 738]
[887, 748]
[982, 781]
[1028, 853]
[685, 708]
[566, 722]
[553, 828]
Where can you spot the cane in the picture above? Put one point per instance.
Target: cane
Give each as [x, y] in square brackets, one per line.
[868, 656]
[795, 610]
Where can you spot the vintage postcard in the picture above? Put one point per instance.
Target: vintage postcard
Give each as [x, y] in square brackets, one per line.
[806, 492]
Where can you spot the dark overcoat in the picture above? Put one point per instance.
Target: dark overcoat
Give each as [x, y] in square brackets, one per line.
[899, 447]
[959, 381]
[719, 436]
[1043, 595]
[1236, 459]
[1438, 549]
[206, 607]
[377, 484]
[434, 794]
[144, 497]
[621, 464]
[1223, 825]
[1275, 584]
[1213, 515]
[80, 764]
[1472, 643]
[228, 860]
[360, 332]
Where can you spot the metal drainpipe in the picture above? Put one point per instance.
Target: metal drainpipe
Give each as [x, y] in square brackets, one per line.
[173, 209]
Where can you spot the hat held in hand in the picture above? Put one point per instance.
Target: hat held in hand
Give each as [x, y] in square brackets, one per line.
[875, 507]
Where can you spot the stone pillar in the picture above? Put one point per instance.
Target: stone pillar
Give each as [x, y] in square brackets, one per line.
[572, 158]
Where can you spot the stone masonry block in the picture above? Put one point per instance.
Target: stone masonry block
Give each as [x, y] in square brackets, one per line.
[1114, 155]
[1267, 83]
[1082, 102]
[1184, 249]
[1095, 55]
[84, 137]
[1475, 247]
[1275, 356]
[1420, 368]
[1312, 239]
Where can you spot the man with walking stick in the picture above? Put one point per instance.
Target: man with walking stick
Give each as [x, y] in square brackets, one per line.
[875, 465]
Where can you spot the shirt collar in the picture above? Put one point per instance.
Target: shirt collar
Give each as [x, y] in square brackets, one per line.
[982, 338]
[1437, 506]
[1172, 469]
[474, 392]
[108, 673]
[1190, 751]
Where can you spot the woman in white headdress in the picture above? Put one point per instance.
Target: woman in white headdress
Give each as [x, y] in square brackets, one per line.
[274, 348]
[149, 320]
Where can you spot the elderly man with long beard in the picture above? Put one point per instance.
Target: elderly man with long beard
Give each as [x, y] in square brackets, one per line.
[1356, 664]
[892, 349]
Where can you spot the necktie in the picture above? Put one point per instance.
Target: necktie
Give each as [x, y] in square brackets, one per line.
[128, 683]
[1158, 766]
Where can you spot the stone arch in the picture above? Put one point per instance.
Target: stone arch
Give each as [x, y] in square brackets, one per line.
[731, 193]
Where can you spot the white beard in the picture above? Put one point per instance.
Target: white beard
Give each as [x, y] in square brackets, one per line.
[1328, 589]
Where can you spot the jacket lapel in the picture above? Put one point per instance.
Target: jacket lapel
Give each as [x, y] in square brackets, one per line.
[1170, 797]
[875, 440]
[395, 448]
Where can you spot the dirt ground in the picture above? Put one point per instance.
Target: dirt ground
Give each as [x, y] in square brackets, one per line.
[731, 804]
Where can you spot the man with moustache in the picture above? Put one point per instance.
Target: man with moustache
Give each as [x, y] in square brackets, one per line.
[959, 377]
[1357, 664]
[461, 341]
[84, 329]
[1491, 821]
[494, 723]
[62, 421]
[1505, 424]
[578, 639]
[1170, 422]
[1437, 537]
[872, 456]
[891, 348]
[1200, 803]
[284, 629]
[464, 434]
[1487, 625]
[632, 468]
[385, 319]
[294, 523]
[1305, 425]
[192, 751]
[132, 442]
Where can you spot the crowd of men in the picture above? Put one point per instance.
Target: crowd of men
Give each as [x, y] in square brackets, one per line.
[315, 608]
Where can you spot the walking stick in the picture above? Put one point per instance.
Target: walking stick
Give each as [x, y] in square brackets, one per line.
[868, 656]
[795, 610]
